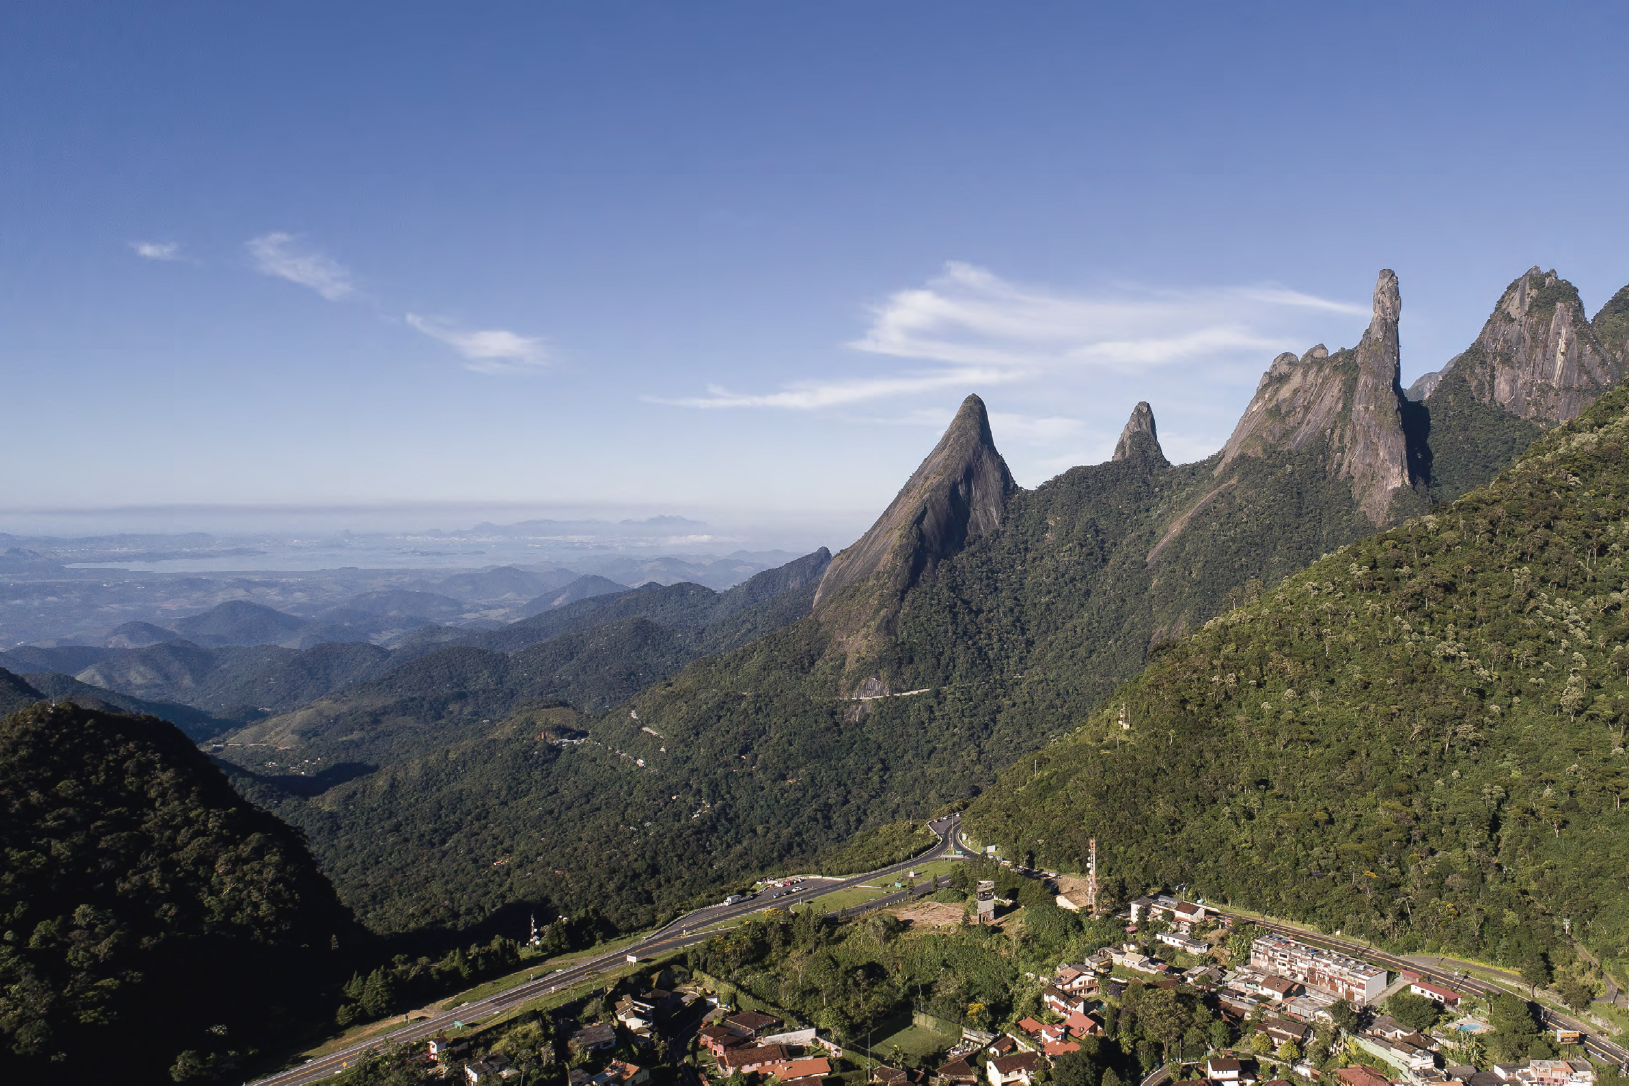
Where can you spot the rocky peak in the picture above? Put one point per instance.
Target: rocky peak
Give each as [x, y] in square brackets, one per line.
[959, 493]
[1349, 399]
[1537, 356]
[1139, 438]
[1611, 327]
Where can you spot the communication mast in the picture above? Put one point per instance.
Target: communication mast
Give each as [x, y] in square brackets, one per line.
[1091, 879]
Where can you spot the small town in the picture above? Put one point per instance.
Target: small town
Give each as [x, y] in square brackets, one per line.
[1186, 995]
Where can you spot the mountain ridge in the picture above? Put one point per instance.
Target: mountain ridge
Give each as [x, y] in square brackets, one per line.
[958, 493]
[1419, 739]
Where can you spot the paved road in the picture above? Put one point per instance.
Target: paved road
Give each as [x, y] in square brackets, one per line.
[1597, 1045]
[686, 931]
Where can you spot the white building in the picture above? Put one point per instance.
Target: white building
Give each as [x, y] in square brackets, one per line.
[1350, 979]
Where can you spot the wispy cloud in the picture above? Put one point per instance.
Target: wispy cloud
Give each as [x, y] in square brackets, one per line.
[969, 314]
[970, 326]
[157, 250]
[808, 395]
[491, 350]
[281, 255]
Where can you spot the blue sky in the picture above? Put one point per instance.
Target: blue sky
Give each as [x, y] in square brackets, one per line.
[742, 260]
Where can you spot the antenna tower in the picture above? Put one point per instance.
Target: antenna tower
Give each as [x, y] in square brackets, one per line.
[1091, 879]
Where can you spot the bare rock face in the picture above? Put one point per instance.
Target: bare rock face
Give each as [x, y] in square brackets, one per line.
[1425, 384]
[1537, 356]
[1350, 399]
[959, 493]
[1139, 439]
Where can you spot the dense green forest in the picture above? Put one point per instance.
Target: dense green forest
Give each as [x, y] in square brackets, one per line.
[1420, 739]
[1466, 441]
[153, 925]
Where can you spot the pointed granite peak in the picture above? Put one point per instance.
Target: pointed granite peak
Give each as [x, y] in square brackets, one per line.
[1348, 400]
[1139, 438]
[1388, 303]
[1538, 356]
[958, 494]
[1376, 454]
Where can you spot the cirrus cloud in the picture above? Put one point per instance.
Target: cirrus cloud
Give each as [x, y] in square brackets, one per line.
[968, 326]
[282, 256]
[489, 350]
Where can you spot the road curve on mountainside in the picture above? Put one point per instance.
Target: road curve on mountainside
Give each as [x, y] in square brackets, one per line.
[687, 930]
[1593, 1041]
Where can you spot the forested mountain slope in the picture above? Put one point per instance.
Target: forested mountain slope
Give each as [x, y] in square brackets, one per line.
[15, 692]
[590, 654]
[414, 784]
[1419, 739]
[154, 924]
[227, 686]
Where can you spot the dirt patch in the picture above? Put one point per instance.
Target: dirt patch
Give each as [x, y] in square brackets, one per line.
[1068, 884]
[930, 914]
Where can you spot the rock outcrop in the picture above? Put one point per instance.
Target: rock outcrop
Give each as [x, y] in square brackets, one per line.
[1350, 400]
[1537, 356]
[959, 493]
[1424, 385]
[1139, 439]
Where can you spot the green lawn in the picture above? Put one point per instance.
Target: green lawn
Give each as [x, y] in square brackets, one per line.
[846, 899]
[937, 867]
[909, 1040]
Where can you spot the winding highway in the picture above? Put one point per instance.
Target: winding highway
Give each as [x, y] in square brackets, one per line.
[687, 930]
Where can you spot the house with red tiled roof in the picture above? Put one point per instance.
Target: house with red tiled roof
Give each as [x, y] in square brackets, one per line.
[1446, 996]
[752, 1023]
[1020, 1067]
[816, 1068]
[1083, 1025]
[749, 1059]
[1062, 1003]
[717, 1038]
[1359, 1075]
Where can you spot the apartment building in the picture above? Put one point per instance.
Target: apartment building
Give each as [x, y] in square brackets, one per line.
[1348, 978]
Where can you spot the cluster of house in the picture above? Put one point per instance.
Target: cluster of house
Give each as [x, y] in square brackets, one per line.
[1224, 1071]
[1287, 988]
[748, 1042]
[495, 1067]
[1072, 993]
